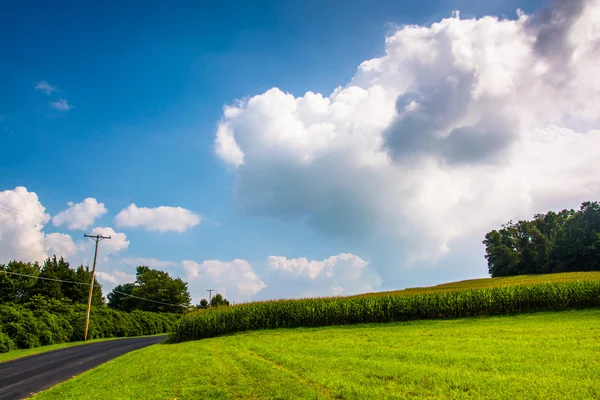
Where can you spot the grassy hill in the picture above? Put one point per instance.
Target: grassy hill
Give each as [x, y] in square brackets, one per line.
[549, 355]
[486, 283]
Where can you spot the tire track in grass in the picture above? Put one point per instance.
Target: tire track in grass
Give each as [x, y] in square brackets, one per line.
[298, 378]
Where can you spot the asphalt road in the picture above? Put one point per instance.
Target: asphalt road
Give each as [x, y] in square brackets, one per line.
[25, 376]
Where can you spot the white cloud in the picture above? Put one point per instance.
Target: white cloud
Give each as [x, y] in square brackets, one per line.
[458, 127]
[112, 278]
[61, 105]
[81, 215]
[161, 218]
[61, 244]
[22, 218]
[235, 279]
[118, 242]
[342, 274]
[45, 87]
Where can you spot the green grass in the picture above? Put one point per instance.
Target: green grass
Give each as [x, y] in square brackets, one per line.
[549, 355]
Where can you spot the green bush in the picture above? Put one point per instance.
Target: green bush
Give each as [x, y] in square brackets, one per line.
[42, 321]
[385, 308]
[6, 343]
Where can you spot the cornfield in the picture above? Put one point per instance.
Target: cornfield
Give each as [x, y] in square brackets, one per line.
[386, 308]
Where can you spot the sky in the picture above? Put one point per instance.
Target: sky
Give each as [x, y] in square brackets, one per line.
[291, 149]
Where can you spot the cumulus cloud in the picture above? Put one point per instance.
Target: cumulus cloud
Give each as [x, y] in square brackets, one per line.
[117, 243]
[112, 278]
[344, 274]
[161, 218]
[22, 219]
[457, 128]
[61, 244]
[81, 215]
[234, 278]
[45, 87]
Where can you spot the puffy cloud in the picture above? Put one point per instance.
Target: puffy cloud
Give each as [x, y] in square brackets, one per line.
[110, 279]
[61, 105]
[342, 274]
[118, 242]
[80, 215]
[22, 218]
[61, 244]
[161, 218]
[234, 278]
[45, 87]
[458, 127]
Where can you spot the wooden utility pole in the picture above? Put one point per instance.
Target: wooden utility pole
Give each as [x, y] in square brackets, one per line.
[97, 238]
[210, 295]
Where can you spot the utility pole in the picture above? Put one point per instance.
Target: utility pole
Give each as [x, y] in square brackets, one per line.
[210, 295]
[97, 238]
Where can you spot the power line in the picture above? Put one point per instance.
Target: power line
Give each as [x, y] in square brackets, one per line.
[153, 301]
[98, 286]
[20, 214]
[47, 279]
[26, 251]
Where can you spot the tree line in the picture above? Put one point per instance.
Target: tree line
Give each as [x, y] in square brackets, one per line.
[566, 241]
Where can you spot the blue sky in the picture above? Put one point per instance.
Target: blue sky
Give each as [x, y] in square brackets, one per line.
[146, 83]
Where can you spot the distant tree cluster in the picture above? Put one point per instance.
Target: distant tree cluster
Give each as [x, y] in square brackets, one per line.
[167, 294]
[20, 289]
[552, 242]
[216, 301]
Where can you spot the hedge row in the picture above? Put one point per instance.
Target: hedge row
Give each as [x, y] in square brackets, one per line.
[43, 322]
[386, 308]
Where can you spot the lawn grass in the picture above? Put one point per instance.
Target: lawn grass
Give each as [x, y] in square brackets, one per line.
[548, 355]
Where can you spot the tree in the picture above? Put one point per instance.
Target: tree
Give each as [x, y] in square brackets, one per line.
[203, 304]
[119, 299]
[218, 300]
[166, 294]
[15, 288]
[551, 242]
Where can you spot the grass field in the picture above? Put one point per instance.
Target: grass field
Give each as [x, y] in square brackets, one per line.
[486, 283]
[530, 356]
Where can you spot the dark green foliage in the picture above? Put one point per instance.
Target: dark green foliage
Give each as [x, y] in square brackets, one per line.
[153, 285]
[218, 300]
[203, 304]
[385, 308]
[119, 299]
[44, 321]
[19, 289]
[567, 241]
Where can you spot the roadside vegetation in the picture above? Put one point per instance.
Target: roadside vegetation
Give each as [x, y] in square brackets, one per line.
[45, 304]
[548, 355]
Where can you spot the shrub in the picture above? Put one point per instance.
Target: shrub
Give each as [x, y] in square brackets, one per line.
[43, 322]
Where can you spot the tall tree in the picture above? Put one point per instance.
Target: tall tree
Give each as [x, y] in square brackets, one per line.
[166, 294]
[16, 288]
[551, 242]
